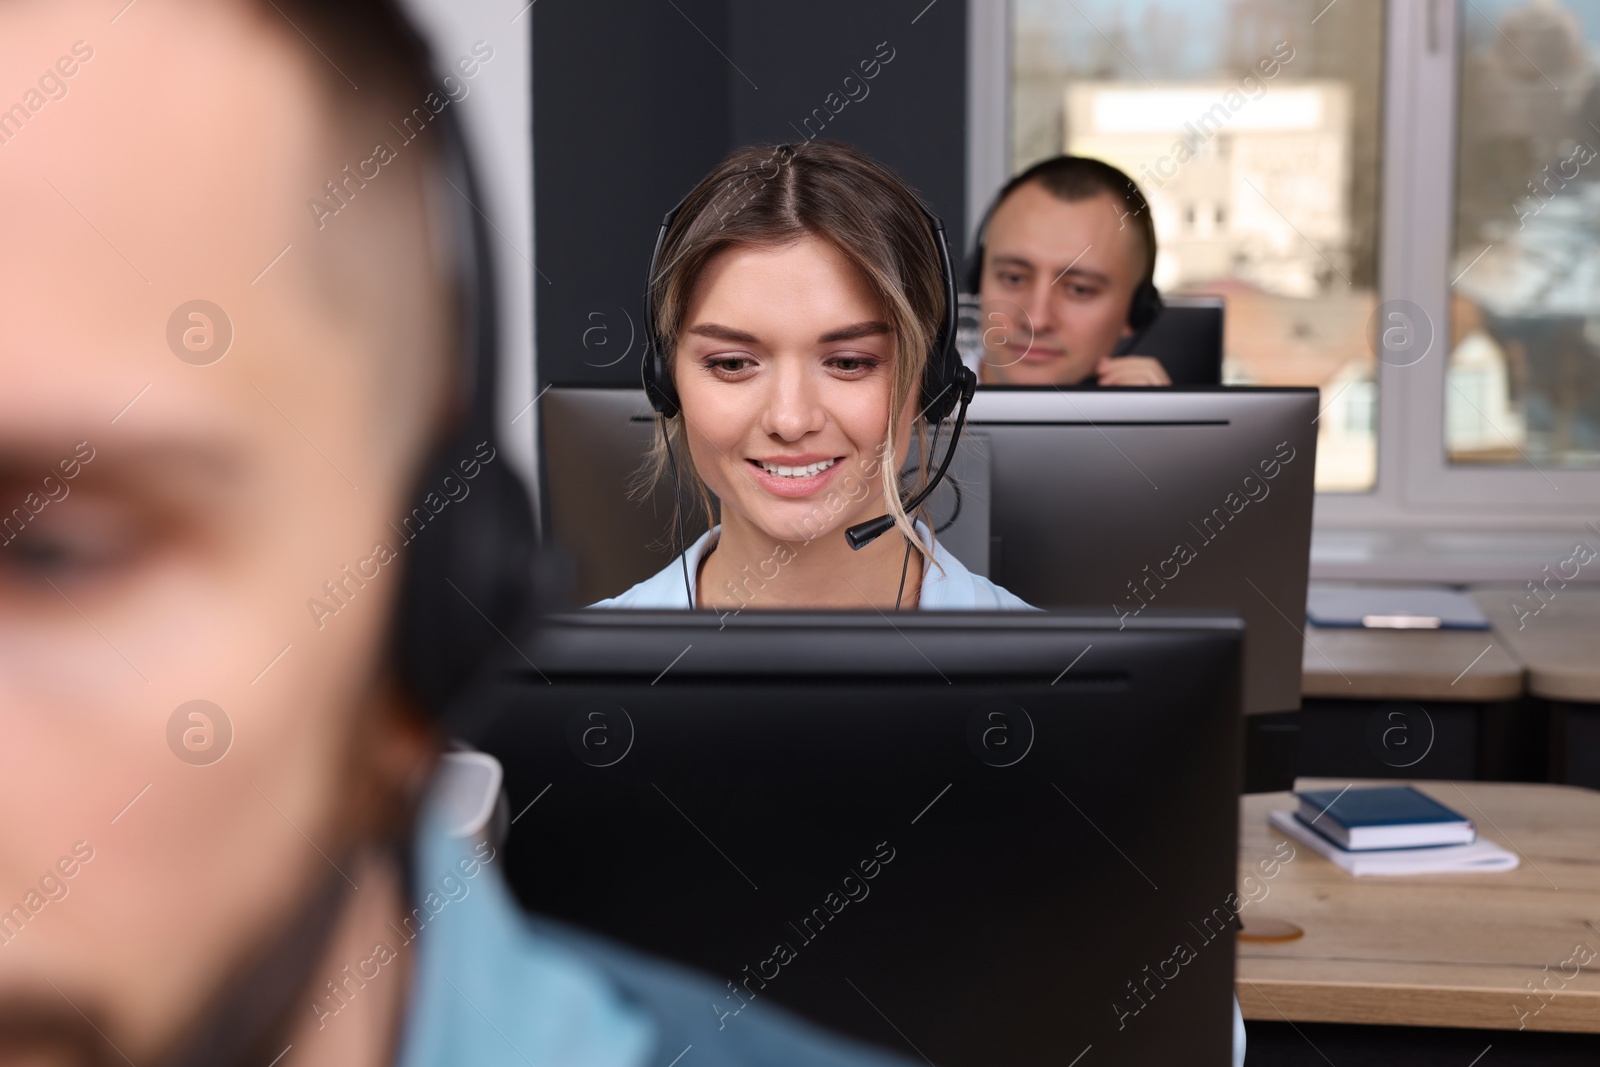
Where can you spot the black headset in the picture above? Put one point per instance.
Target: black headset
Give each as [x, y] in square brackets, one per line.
[472, 563]
[946, 381]
[1145, 306]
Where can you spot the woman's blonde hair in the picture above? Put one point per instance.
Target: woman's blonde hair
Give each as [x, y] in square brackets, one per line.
[772, 196]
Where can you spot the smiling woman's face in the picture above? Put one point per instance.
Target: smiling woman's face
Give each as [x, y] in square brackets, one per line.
[785, 367]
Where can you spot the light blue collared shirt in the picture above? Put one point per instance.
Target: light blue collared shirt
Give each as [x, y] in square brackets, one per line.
[486, 991]
[946, 584]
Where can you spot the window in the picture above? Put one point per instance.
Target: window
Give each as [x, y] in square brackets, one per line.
[1254, 131]
[1406, 215]
[1523, 383]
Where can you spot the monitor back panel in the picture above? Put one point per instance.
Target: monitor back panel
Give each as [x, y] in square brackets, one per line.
[980, 868]
[616, 531]
[1126, 500]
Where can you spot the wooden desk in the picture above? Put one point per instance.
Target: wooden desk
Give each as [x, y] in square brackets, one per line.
[1560, 646]
[1433, 950]
[1340, 664]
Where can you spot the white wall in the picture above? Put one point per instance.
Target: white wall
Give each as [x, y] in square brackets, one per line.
[498, 117]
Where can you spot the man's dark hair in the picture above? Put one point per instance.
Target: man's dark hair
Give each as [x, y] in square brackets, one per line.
[1074, 178]
[364, 46]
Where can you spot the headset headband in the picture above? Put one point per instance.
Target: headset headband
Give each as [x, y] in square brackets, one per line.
[472, 563]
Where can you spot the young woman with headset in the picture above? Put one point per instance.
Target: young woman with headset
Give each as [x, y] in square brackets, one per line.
[800, 309]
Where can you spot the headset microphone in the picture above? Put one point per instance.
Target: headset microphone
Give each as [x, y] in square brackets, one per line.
[863, 534]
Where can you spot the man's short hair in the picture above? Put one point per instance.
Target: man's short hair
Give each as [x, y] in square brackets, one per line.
[369, 46]
[1074, 178]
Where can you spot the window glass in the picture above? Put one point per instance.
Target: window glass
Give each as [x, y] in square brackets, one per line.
[1523, 383]
[1253, 130]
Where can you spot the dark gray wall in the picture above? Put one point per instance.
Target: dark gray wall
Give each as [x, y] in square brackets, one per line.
[632, 104]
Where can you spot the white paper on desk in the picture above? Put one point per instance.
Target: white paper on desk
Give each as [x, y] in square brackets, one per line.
[1481, 855]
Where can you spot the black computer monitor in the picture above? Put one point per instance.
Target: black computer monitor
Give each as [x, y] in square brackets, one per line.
[1186, 339]
[980, 838]
[1132, 499]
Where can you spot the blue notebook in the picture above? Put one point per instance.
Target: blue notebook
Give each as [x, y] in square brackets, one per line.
[1393, 608]
[1380, 817]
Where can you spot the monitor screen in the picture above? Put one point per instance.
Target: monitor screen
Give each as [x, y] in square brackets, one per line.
[967, 837]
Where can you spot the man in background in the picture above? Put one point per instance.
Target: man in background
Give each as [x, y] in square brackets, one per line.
[1064, 271]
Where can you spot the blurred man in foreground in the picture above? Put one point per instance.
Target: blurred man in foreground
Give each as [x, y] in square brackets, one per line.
[229, 343]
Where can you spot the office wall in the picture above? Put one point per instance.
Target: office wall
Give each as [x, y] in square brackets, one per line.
[497, 114]
[633, 102]
[912, 115]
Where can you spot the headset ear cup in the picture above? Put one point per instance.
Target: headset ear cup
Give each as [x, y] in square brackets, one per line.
[658, 387]
[934, 394]
[467, 573]
[1145, 307]
[945, 384]
[647, 376]
[664, 385]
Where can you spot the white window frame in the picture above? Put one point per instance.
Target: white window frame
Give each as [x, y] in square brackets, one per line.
[1426, 519]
